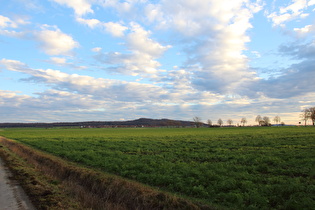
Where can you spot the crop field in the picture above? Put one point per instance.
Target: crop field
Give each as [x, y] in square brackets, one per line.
[241, 168]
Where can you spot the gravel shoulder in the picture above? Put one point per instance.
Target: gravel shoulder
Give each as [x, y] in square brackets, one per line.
[12, 196]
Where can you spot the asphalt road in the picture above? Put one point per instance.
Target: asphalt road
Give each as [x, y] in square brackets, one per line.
[12, 196]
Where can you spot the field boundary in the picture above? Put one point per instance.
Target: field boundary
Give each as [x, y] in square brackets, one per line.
[98, 190]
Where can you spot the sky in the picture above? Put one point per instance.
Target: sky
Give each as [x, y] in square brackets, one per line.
[104, 60]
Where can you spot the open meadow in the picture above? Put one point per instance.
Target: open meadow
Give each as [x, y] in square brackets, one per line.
[241, 168]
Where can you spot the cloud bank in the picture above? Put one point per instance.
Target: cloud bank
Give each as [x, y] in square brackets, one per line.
[106, 60]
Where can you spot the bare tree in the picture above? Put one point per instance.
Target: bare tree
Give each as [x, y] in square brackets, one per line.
[306, 115]
[197, 121]
[258, 119]
[209, 123]
[220, 122]
[229, 121]
[266, 121]
[243, 121]
[277, 119]
[312, 114]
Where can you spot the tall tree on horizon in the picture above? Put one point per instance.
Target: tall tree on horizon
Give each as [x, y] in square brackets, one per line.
[277, 119]
[229, 121]
[243, 121]
[197, 121]
[266, 121]
[305, 116]
[220, 122]
[258, 119]
[312, 115]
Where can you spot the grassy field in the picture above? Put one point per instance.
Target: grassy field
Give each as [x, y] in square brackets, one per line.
[242, 168]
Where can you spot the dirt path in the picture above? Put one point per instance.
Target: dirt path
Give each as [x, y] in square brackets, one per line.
[12, 196]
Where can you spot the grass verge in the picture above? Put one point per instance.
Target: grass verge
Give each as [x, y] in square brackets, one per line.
[53, 183]
[44, 192]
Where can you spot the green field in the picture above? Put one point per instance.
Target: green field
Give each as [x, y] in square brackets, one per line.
[241, 168]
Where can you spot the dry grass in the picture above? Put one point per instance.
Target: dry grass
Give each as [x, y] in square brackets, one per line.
[44, 192]
[95, 190]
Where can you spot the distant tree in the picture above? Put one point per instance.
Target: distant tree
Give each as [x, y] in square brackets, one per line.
[209, 123]
[243, 121]
[258, 119]
[220, 122]
[306, 115]
[282, 123]
[266, 121]
[312, 114]
[229, 121]
[197, 121]
[277, 119]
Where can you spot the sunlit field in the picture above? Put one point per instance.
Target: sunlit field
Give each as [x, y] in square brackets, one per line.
[242, 168]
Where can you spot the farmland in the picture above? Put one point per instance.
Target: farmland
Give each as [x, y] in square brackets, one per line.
[243, 168]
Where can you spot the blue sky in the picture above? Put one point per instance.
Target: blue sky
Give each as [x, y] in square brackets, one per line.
[86, 60]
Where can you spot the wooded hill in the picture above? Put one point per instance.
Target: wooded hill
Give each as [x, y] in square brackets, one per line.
[142, 122]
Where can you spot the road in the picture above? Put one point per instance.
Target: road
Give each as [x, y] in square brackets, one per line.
[12, 196]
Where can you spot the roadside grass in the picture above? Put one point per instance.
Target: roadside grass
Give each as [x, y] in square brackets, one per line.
[241, 168]
[44, 191]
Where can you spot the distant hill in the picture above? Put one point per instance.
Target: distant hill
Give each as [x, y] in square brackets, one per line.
[142, 122]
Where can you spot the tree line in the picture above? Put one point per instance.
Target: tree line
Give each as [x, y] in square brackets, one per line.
[306, 115]
[262, 121]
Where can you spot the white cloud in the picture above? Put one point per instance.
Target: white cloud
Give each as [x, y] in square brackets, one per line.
[153, 13]
[122, 7]
[11, 99]
[206, 40]
[12, 33]
[288, 13]
[305, 30]
[112, 90]
[295, 7]
[92, 23]
[84, 97]
[54, 41]
[7, 25]
[135, 64]
[116, 29]
[199, 17]
[81, 7]
[58, 60]
[6, 22]
[278, 20]
[14, 65]
[138, 40]
[49, 106]
[216, 34]
[141, 57]
[99, 87]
